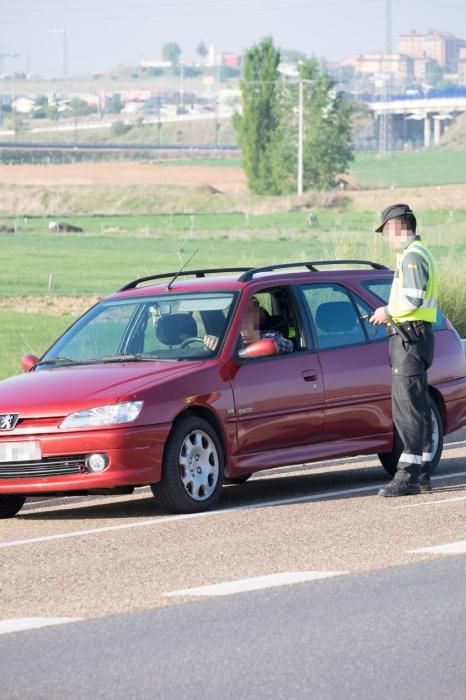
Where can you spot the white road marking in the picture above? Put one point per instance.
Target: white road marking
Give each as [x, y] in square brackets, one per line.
[451, 548]
[256, 583]
[167, 519]
[432, 503]
[21, 624]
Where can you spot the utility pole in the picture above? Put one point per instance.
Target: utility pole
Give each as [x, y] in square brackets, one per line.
[64, 32]
[385, 140]
[300, 137]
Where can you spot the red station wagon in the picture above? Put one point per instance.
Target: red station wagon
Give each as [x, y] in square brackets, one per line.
[130, 395]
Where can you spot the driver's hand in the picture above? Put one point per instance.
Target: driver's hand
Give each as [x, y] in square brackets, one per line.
[210, 341]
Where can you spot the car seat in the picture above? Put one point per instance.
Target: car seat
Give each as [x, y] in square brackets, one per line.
[173, 329]
[338, 321]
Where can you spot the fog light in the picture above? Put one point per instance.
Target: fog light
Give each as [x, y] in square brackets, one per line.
[97, 462]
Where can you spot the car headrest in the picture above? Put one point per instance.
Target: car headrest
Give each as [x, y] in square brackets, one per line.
[264, 319]
[278, 323]
[336, 316]
[173, 329]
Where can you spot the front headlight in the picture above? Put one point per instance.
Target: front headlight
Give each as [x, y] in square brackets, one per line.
[103, 415]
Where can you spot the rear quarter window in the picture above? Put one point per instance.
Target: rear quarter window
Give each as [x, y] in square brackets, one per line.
[381, 290]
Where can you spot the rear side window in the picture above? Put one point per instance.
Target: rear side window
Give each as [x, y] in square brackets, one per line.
[336, 320]
[381, 290]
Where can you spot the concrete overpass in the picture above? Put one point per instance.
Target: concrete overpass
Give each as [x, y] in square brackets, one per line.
[436, 113]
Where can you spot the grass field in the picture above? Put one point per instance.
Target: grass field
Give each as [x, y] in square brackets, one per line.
[46, 266]
[116, 249]
[416, 169]
[232, 228]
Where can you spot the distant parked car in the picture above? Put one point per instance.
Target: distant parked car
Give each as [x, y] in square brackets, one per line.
[132, 395]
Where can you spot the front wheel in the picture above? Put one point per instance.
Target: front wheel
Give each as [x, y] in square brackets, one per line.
[389, 460]
[193, 467]
[10, 505]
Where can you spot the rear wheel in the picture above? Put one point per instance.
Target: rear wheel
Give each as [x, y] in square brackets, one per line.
[10, 505]
[192, 468]
[389, 460]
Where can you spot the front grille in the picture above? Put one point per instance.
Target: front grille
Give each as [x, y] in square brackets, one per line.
[49, 466]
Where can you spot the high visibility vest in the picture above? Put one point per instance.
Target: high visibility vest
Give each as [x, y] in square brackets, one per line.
[399, 306]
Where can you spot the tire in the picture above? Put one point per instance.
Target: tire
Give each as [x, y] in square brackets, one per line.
[192, 472]
[10, 505]
[389, 460]
[232, 480]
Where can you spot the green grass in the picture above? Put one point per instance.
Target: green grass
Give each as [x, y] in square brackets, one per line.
[24, 334]
[421, 168]
[115, 250]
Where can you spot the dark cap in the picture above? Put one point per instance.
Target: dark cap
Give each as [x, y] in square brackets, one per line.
[393, 212]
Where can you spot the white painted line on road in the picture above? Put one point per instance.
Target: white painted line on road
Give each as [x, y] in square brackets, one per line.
[432, 503]
[168, 519]
[256, 583]
[440, 477]
[21, 624]
[451, 548]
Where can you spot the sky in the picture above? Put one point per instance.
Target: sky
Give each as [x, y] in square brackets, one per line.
[102, 34]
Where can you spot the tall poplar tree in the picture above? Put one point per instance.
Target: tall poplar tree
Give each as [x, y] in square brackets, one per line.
[259, 125]
[327, 150]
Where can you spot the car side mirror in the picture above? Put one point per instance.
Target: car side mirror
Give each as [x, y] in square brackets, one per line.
[260, 348]
[28, 362]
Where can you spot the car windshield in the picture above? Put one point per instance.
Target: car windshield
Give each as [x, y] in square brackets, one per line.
[168, 327]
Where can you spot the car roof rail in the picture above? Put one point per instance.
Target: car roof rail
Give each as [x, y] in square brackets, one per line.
[184, 273]
[310, 265]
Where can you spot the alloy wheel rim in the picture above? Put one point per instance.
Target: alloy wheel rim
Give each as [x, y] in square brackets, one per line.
[199, 465]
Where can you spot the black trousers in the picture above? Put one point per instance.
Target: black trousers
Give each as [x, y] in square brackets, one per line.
[411, 408]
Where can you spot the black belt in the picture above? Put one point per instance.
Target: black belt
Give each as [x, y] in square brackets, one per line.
[410, 326]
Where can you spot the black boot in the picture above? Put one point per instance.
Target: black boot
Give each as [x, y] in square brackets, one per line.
[426, 486]
[400, 488]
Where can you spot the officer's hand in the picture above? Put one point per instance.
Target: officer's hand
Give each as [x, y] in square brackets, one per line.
[210, 341]
[379, 317]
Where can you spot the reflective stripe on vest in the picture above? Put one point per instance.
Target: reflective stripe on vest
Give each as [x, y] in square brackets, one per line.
[399, 306]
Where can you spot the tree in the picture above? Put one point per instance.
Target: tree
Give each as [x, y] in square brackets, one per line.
[114, 104]
[258, 126]
[171, 52]
[202, 50]
[327, 128]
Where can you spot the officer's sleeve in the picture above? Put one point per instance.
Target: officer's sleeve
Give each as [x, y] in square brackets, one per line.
[415, 277]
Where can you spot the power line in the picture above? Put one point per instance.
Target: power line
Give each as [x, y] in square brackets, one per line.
[160, 15]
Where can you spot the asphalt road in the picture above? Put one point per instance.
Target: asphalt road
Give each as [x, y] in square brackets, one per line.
[364, 612]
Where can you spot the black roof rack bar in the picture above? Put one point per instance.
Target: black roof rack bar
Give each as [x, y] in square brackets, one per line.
[184, 273]
[310, 265]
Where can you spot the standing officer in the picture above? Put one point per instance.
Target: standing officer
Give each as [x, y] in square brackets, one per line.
[411, 311]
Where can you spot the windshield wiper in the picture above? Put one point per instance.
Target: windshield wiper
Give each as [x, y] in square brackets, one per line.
[58, 361]
[129, 357]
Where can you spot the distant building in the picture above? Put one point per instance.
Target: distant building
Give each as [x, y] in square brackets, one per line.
[396, 65]
[23, 105]
[155, 64]
[442, 47]
[231, 60]
[462, 66]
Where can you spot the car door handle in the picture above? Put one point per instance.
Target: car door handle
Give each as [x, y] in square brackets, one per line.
[309, 375]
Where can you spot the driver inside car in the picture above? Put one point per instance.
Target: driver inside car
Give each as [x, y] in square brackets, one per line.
[254, 327]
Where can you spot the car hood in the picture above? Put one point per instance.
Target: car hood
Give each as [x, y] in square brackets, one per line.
[60, 390]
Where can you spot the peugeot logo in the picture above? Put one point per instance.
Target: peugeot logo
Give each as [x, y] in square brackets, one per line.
[8, 420]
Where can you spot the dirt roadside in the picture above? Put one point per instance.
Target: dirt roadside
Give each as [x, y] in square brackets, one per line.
[230, 181]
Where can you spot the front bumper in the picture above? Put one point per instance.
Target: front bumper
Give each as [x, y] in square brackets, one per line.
[135, 459]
